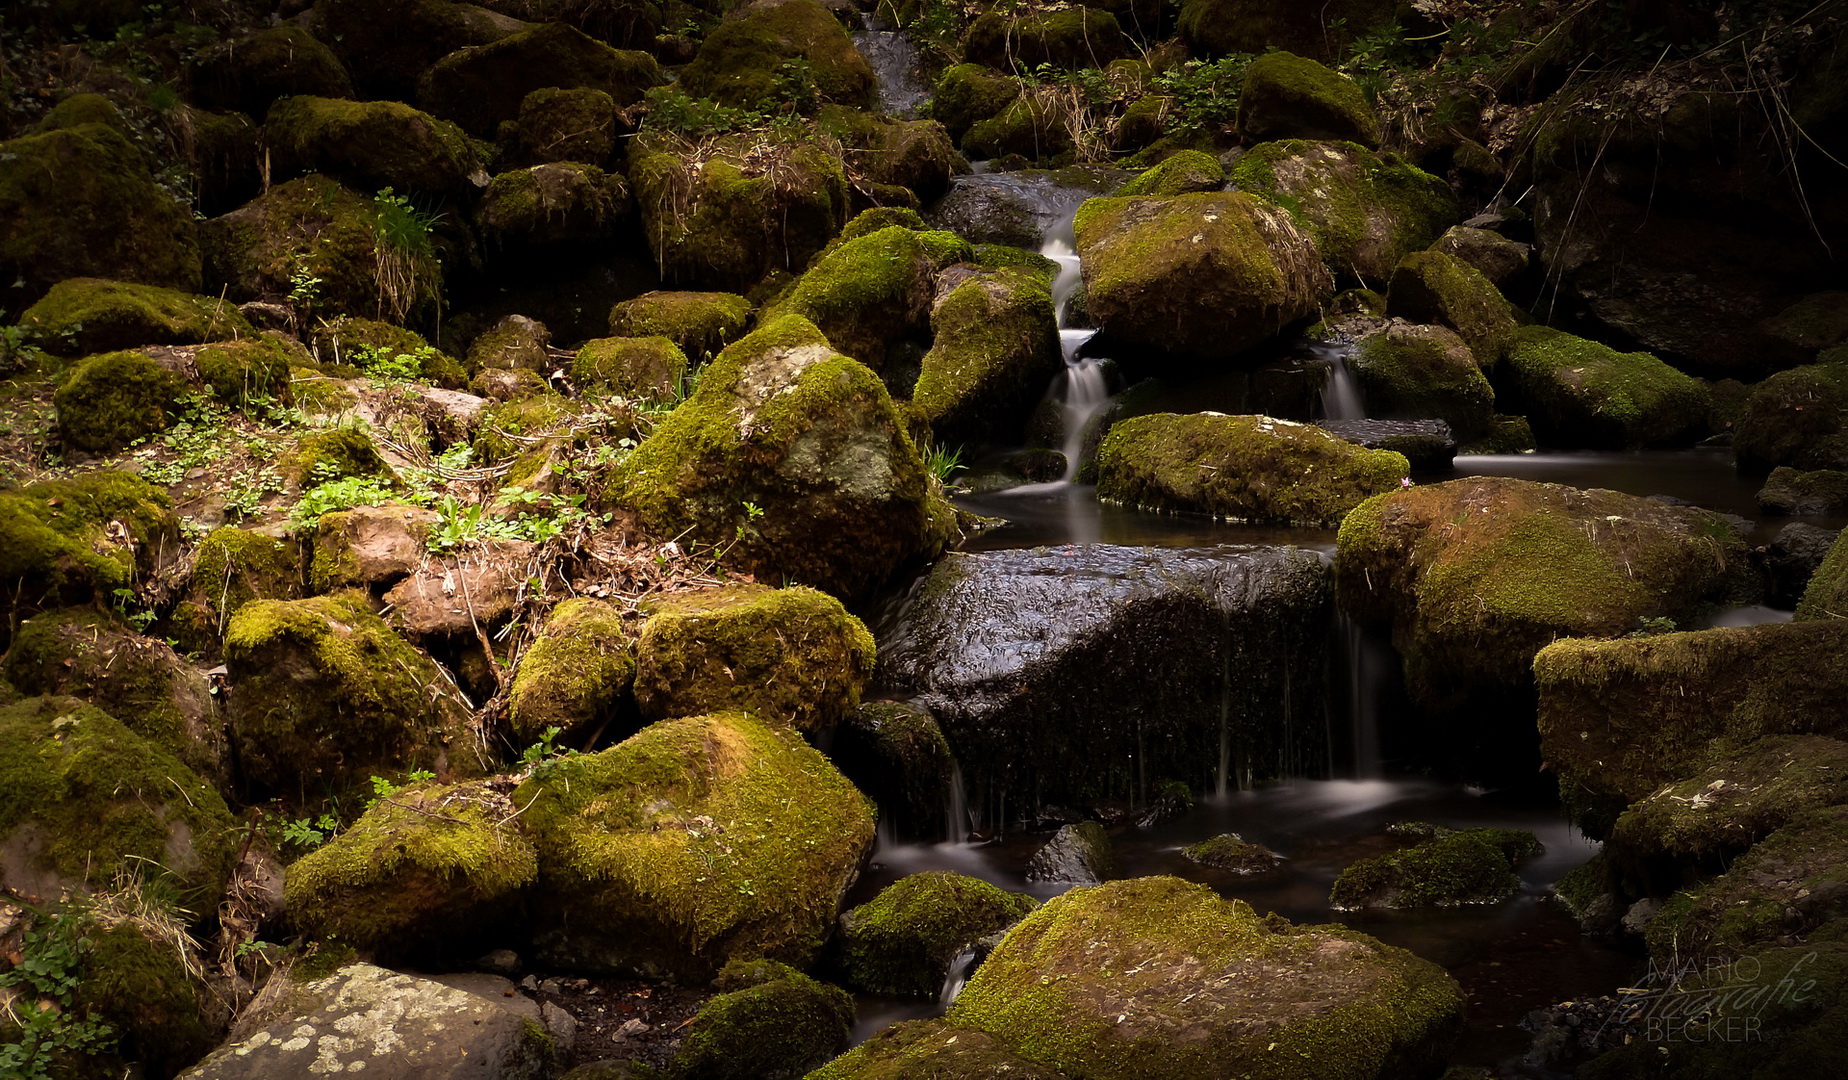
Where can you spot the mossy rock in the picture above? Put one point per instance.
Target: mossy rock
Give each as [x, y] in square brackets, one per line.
[1498, 258]
[1431, 287]
[335, 454]
[1203, 276]
[778, 1028]
[647, 368]
[701, 324]
[1477, 575]
[86, 654]
[1031, 127]
[1817, 321]
[424, 873]
[1080, 854]
[869, 293]
[1449, 870]
[516, 343]
[231, 567]
[1286, 96]
[1621, 718]
[917, 155]
[481, 86]
[71, 541]
[1249, 468]
[967, 94]
[1420, 372]
[1184, 173]
[506, 431]
[994, 350]
[1578, 393]
[371, 547]
[743, 60]
[81, 795]
[1070, 38]
[370, 145]
[1797, 418]
[112, 400]
[749, 208]
[250, 72]
[693, 842]
[932, 1048]
[1819, 492]
[1220, 27]
[1366, 211]
[79, 202]
[1096, 982]
[160, 1005]
[551, 205]
[249, 370]
[349, 340]
[89, 315]
[903, 941]
[786, 657]
[574, 674]
[387, 44]
[576, 124]
[1826, 596]
[325, 695]
[809, 437]
[897, 749]
[307, 228]
[1229, 851]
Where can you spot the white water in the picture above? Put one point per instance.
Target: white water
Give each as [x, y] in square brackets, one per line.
[1341, 394]
[1083, 393]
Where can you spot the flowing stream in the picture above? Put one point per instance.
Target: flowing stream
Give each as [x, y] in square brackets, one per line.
[903, 89]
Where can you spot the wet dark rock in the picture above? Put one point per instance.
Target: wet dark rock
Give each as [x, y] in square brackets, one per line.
[1791, 491]
[1229, 851]
[1792, 558]
[1076, 855]
[897, 749]
[1427, 444]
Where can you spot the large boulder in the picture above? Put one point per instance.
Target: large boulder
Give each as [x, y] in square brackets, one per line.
[1579, 393]
[743, 61]
[1185, 173]
[1416, 372]
[1816, 492]
[692, 843]
[1476, 575]
[1826, 596]
[82, 316]
[917, 156]
[932, 1048]
[639, 368]
[370, 145]
[1618, 719]
[1068, 37]
[79, 539]
[1498, 258]
[1249, 468]
[79, 201]
[1020, 655]
[1286, 96]
[701, 324]
[904, 940]
[112, 400]
[1432, 287]
[579, 124]
[1204, 276]
[548, 206]
[873, 292]
[324, 695]
[250, 72]
[371, 547]
[82, 796]
[768, 1022]
[994, 350]
[387, 44]
[481, 86]
[785, 657]
[1797, 418]
[1366, 211]
[1160, 977]
[808, 439]
[1217, 27]
[968, 94]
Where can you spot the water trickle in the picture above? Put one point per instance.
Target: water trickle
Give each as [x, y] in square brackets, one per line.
[1340, 394]
[957, 977]
[956, 819]
[1366, 664]
[1083, 393]
[903, 89]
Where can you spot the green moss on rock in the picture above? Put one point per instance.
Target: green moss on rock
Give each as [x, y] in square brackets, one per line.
[551, 205]
[1822, 492]
[1286, 96]
[1797, 418]
[574, 674]
[1421, 372]
[70, 541]
[1431, 287]
[337, 453]
[1184, 173]
[701, 324]
[743, 60]
[774, 1029]
[1229, 851]
[419, 874]
[1096, 982]
[903, 941]
[932, 1048]
[250, 72]
[350, 340]
[786, 657]
[387, 44]
[555, 124]
[1826, 596]
[370, 145]
[693, 842]
[1249, 468]
[1578, 393]
[252, 369]
[1032, 126]
[480, 86]
[325, 695]
[1069, 37]
[649, 368]
[109, 401]
[866, 294]
[81, 316]
[967, 94]
[135, 980]
[1445, 871]
[994, 349]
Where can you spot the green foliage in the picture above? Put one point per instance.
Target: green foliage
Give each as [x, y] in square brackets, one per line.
[1205, 93]
[402, 225]
[47, 977]
[1649, 626]
[393, 365]
[342, 494]
[542, 757]
[943, 462]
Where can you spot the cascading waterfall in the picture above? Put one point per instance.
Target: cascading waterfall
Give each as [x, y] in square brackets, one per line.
[1083, 393]
[903, 89]
[1340, 394]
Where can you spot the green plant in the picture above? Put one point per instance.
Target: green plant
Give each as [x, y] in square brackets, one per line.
[392, 365]
[748, 527]
[342, 494]
[310, 832]
[46, 977]
[677, 112]
[1650, 626]
[404, 248]
[943, 462]
[1204, 92]
[383, 788]
[543, 756]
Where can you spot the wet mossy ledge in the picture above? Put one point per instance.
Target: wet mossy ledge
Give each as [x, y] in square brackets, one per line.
[1452, 868]
[904, 940]
[1243, 468]
[1578, 393]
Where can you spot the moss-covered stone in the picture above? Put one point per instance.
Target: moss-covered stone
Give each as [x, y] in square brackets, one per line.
[994, 349]
[783, 423]
[701, 324]
[250, 72]
[867, 294]
[370, 547]
[111, 400]
[387, 44]
[508, 430]
[1826, 595]
[747, 208]
[337, 453]
[1431, 287]
[422, 873]
[967, 94]
[1497, 257]
[1096, 982]
[1033, 126]
[1420, 372]
[324, 695]
[744, 60]
[1366, 211]
[1445, 871]
[356, 341]
[578, 124]
[1822, 492]
[1205, 276]
[481, 86]
[917, 1048]
[516, 343]
[83, 653]
[1249, 468]
[1817, 321]
[650, 368]
[1476, 575]
[1069, 37]
[89, 315]
[134, 979]
[1798, 418]
[1578, 393]
[551, 205]
[1621, 718]
[81, 796]
[1286, 96]
[370, 145]
[1218, 27]
[903, 941]
[776, 1028]
[786, 657]
[70, 541]
[1229, 851]
[1184, 173]
[917, 155]
[574, 674]
[694, 842]
[78, 202]
[250, 369]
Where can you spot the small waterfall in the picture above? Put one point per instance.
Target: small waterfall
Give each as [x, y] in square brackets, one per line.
[956, 820]
[1340, 394]
[1366, 670]
[1084, 393]
[957, 976]
[902, 86]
